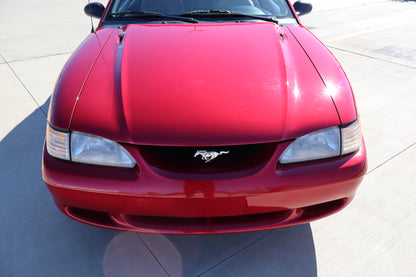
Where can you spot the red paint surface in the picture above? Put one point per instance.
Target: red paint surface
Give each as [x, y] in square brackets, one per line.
[209, 84]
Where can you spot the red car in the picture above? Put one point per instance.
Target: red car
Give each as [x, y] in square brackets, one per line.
[202, 116]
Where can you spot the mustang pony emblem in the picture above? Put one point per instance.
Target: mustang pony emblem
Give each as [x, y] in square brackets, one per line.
[208, 156]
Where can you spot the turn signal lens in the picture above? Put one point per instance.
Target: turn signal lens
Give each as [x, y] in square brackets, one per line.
[351, 137]
[57, 143]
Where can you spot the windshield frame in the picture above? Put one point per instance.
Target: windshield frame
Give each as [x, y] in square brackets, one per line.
[108, 22]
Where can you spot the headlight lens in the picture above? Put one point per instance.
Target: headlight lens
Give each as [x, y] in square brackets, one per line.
[85, 148]
[318, 145]
[326, 143]
[91, 149]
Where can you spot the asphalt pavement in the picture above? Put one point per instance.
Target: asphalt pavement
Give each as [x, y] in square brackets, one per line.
[375, 235]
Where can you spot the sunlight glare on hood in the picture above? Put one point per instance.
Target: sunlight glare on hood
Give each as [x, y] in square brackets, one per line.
[331, 90]
[296, 92]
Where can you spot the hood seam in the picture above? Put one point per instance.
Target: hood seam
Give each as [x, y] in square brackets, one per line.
[87, 77]
[317, 71]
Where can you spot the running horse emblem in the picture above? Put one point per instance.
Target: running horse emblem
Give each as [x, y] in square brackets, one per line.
[208, 156]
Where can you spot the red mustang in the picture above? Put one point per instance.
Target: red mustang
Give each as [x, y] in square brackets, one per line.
[202, 116]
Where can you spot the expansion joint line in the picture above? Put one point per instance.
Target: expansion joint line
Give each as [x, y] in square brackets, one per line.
[23, 84]
[153, 254]
[235, 253]
[391, 158]
[370, 57]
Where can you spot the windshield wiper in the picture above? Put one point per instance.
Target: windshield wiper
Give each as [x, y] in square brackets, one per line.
[153, 14]
[225, 13]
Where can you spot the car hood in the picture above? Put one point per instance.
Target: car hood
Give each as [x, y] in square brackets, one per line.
[203, 84]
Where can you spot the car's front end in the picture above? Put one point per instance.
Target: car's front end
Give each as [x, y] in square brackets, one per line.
[202, 127]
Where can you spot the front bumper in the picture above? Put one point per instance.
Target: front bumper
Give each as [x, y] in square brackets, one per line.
[142, 200]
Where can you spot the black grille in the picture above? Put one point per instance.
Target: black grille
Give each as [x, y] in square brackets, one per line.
[174, 161]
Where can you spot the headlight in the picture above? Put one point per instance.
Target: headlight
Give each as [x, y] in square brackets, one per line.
[85, 148]
[326, 143]
[96, 150]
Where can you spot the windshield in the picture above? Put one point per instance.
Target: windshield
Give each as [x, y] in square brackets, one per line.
[122, 10]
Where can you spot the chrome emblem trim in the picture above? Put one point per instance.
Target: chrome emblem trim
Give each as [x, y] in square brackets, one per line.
[208, 156]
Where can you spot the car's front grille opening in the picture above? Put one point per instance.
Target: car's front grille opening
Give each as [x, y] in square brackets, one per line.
[155, 222]
[89, 216]
[323, 209]
[279, 218]
[226, 224]
[174, 161]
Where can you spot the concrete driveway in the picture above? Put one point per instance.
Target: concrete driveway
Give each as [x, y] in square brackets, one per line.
[375, 236]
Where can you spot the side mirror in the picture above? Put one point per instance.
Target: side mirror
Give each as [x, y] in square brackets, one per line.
[302, 8]
[94, 9]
